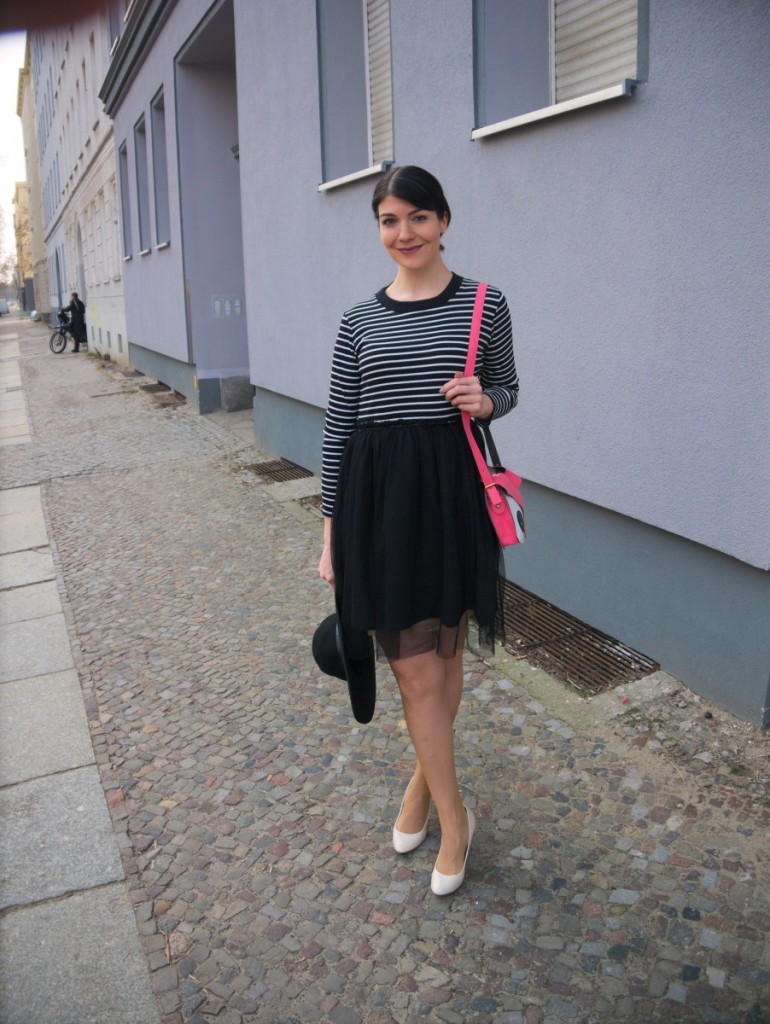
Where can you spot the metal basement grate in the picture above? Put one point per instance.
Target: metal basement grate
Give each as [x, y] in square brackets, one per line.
[564, 646]
[154, 389]
[170, 398]
[313, 504]
[279, 471]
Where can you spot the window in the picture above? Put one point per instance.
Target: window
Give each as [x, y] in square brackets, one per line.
[115, 19]
[538, 58]
[125, 206]
[355, 88]
[160, 170]
[142, 185]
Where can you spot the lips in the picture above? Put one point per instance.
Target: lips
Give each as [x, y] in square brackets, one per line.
[410, 250]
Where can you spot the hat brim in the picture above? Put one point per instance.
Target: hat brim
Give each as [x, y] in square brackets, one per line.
[348, 655]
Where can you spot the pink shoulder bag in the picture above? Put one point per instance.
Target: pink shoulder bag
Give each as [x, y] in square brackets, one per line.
[502, 487]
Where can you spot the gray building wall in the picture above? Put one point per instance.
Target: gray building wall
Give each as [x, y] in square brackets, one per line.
[627, 237]
[185, 299]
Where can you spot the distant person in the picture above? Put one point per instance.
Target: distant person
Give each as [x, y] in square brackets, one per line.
[77, 312]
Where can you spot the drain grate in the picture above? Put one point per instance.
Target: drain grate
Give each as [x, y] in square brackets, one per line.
[278, 471]
[567, 648]
[154, 389]
[169, 398]
[313, 504]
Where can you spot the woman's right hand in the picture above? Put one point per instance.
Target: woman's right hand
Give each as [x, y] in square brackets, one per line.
[325, 567]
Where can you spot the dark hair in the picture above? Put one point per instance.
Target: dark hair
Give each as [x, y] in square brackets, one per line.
[414, 185]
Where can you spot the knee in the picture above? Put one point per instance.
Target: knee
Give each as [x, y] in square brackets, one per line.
[419, 680]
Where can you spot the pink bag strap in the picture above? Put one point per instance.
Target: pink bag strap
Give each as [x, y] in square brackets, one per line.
[470, 364]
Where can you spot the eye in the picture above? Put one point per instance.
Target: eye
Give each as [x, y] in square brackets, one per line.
[420, 217]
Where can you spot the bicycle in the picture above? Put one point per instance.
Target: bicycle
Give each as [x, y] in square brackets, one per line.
[58, 340]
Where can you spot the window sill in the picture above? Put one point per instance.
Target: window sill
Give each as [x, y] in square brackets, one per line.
[126, 259]
[368, 172]
[162, 245]
[624, 88]
[145, 252]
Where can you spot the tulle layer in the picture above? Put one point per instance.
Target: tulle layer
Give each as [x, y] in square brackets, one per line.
[414, 551]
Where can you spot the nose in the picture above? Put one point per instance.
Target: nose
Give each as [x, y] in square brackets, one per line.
[404, 230]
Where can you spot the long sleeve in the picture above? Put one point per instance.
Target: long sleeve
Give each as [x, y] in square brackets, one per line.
[341, 412]
[498, 370]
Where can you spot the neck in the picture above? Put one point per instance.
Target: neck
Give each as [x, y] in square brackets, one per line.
[410, 286]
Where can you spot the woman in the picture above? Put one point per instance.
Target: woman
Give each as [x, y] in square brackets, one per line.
[407, 541]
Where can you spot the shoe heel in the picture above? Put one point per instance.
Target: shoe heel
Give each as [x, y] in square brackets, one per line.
[444, 885]
[405, 842]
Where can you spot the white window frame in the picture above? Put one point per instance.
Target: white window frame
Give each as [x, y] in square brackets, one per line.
[142, 177]
[378, 161]
[623, 88]
[160, 171]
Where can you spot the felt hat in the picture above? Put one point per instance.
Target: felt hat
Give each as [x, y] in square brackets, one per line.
[348, 655]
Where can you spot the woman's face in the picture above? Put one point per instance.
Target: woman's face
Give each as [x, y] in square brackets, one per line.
[411, 236]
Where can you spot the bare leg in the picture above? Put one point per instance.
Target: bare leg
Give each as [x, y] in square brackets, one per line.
[417, 797]
[430, 705]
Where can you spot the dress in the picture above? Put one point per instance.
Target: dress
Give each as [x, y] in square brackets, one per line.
[412, 546]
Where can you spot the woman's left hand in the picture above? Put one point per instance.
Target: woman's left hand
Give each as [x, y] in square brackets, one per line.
[466, 394]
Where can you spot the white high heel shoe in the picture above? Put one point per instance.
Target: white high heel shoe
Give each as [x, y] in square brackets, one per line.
[405, 842]
[443, 885]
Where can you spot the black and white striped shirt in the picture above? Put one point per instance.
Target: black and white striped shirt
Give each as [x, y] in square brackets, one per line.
[391, 359]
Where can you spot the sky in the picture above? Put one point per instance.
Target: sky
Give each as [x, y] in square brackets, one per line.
[12, 167]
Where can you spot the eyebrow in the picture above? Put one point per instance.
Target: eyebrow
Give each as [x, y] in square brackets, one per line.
[410, 214]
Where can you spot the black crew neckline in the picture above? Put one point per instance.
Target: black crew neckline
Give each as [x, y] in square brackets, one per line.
[436, 300]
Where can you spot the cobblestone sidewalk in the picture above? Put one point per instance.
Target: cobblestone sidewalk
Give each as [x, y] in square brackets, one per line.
[253, 815]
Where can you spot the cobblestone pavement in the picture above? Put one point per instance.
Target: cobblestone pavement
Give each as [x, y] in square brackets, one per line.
[253, 815]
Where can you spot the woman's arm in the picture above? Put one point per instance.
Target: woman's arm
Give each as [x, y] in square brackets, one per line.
[341, 412]
[325, 567]
[501, 381]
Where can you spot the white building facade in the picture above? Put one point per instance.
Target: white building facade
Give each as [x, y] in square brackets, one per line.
[25, 108]
[605, 166]
[78, 180]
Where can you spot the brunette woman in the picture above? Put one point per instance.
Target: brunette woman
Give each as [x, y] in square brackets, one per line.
[407, 541]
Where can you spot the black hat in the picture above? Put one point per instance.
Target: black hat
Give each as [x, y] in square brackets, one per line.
[348, 656]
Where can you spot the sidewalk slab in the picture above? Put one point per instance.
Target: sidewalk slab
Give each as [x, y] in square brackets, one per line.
[35, 647]
[43, 728]
[13, 417]
[57, 838]
[11, 400]
[19, 499]
[20, 531]
[31, 602]
[24, 567]
[291, 490]
[76, 961]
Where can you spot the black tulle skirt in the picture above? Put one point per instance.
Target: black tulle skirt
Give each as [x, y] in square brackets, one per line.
[413, 549]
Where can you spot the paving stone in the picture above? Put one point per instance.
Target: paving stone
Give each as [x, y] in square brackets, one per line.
[66, 955]
[256, 814]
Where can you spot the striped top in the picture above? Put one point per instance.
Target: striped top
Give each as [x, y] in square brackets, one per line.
[391, 359]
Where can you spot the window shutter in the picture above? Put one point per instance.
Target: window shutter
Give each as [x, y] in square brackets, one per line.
[380, 84]
[595, 45]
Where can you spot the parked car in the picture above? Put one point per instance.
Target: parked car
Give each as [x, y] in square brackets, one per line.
[4, 306]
